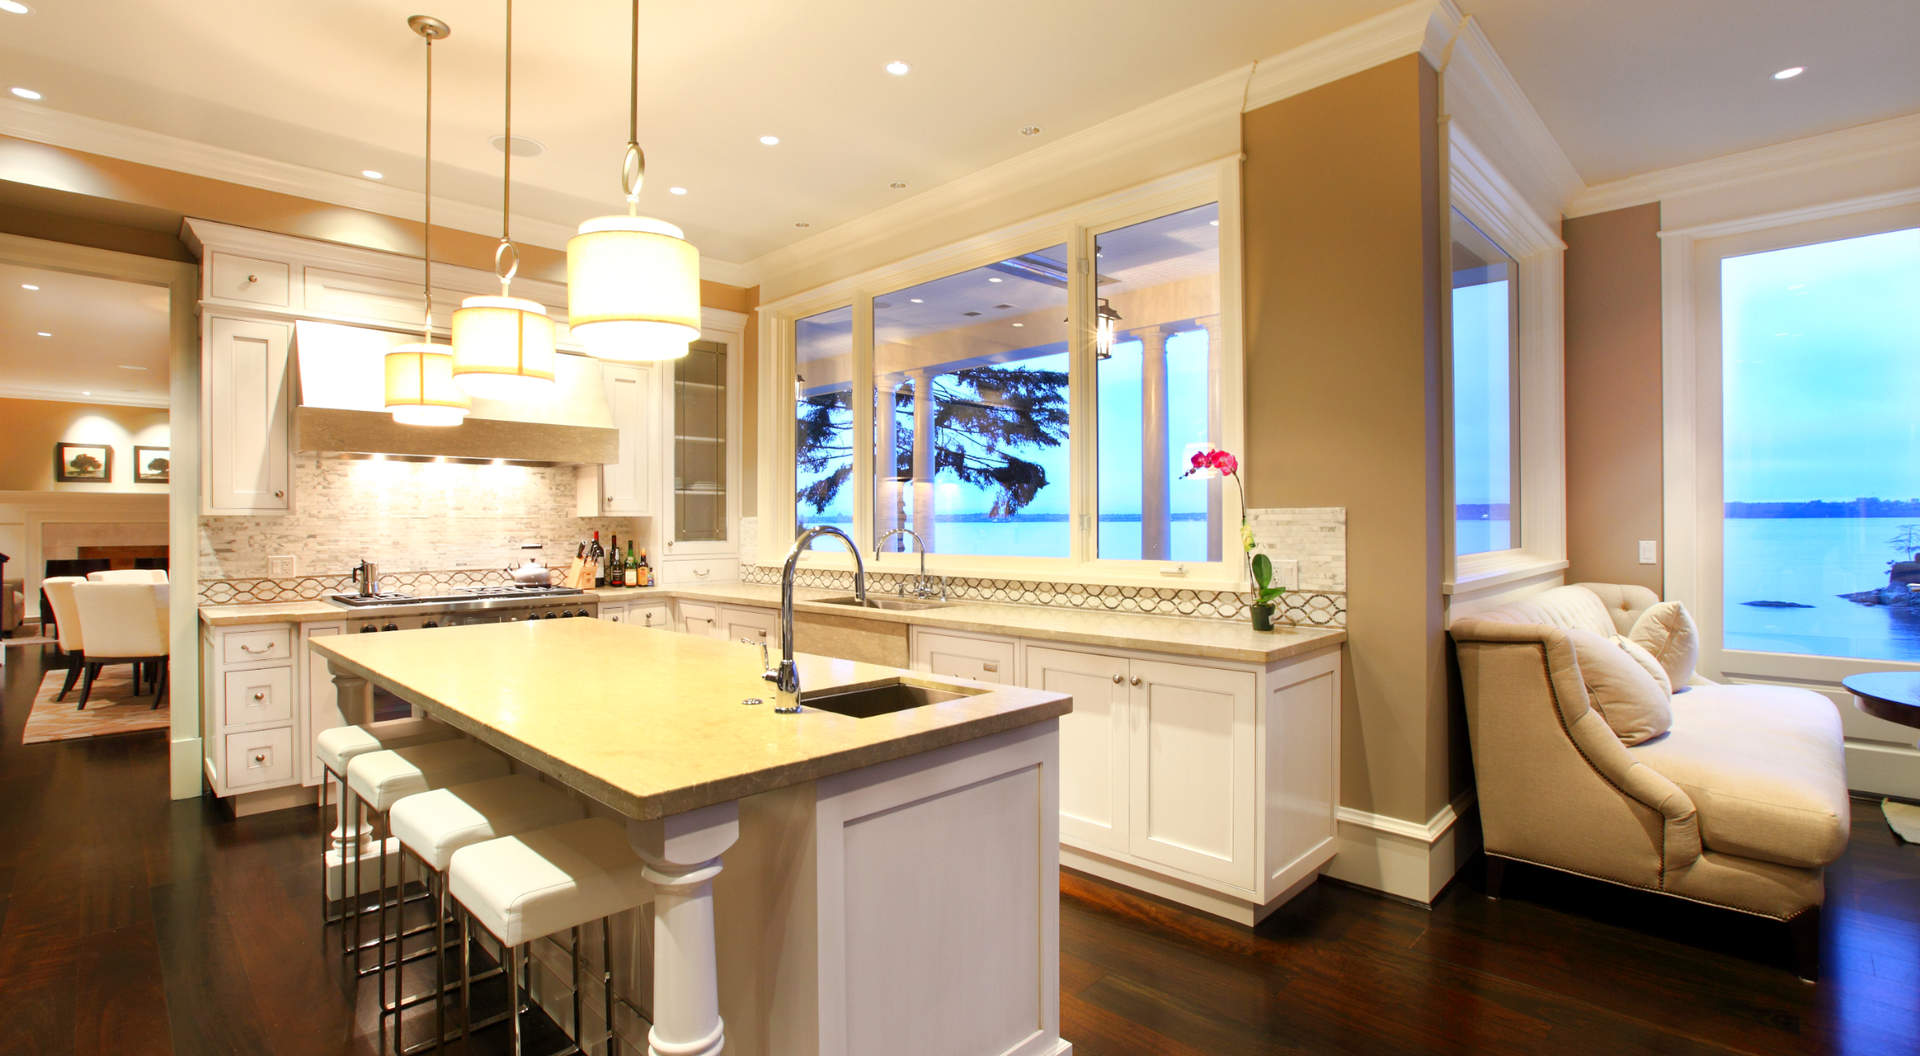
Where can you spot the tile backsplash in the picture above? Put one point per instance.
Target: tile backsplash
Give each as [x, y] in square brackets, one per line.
[407, 517]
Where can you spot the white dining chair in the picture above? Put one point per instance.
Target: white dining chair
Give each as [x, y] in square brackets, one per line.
[66, 618]
[128, 575]
[122, 623]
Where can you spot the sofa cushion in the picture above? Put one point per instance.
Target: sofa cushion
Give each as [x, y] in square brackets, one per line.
[1635, 706]
[1765, 768]
[1666, 631]
[1646, 661]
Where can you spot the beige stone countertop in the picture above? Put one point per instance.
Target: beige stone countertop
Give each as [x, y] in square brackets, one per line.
[651, 722]
[1232, 640]
[1207, 639]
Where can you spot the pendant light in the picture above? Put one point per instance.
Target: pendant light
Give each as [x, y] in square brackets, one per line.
[420, 385]
[503, 346]
[633, 283]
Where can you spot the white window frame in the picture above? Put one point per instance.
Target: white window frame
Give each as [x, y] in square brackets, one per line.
[1497, 208]
[1076, 227]
[1694, 451]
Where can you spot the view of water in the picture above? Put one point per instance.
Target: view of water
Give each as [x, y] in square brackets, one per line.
[1810, 560]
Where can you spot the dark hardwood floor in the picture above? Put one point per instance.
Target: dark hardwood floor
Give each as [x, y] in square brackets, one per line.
[132, 925]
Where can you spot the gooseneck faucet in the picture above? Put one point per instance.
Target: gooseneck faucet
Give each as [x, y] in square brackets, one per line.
[786, 677]
[921, 585]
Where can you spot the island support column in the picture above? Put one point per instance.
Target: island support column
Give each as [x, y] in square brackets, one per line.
[355, 700]
[682, 853]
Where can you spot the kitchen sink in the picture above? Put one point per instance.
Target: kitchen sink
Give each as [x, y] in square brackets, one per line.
[892, 603]
[886, 698]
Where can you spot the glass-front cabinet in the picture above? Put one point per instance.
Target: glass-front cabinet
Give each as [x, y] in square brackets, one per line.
[702, 404]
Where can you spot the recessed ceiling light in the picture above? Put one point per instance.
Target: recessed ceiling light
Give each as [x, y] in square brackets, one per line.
[44, 333]
[14, 7]
[801, 223]
[676, 190]
[373, 174]
[1789, 73]
[131, 366]
[85, 392]
[1030, 130]
[26, 93]
[1019, 324]
[994, 278]
[1213, 223]
[898, 68]
[28, 286]
[769, 141]
[522, 146]
[916, 300]
[898, 185]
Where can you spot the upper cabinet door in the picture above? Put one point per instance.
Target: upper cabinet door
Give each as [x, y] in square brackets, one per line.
[627, 488]
[1192, 763]
[704, 406]
[244, 423]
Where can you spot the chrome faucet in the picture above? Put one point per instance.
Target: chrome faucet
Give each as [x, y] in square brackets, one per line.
[786, 677]
[922, 586]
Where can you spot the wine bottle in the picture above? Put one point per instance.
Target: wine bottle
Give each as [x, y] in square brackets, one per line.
[598, 556]
[615, 565]
[646, 570]
[632, 571]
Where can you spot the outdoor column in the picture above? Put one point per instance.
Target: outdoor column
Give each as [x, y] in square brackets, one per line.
[923, 456]
[1216, 485]
[1156, 523]
[886, 491]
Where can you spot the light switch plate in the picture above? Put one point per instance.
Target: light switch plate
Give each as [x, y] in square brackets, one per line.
[1649, 551]
[281, 566]
[1286, 573]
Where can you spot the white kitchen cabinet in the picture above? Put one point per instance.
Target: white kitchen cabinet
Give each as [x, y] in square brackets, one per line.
[613, 613]
[1093, 742]
[697, 571]
[756, 626]
[1190, 762]
[250, 713]
[628, 486]
[696, 617]
[655, 614]
[964, 656]
[700, 412]
[246, 415]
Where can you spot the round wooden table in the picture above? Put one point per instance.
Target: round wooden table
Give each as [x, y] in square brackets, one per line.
[1895, 697]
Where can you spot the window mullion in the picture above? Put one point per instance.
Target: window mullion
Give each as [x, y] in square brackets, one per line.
[1082, 441]
[862, 386]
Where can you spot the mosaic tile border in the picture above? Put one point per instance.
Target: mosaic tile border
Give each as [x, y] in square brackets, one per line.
[1300, 608]
[313, 588]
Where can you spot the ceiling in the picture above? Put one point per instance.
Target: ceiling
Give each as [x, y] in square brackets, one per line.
[109, 340]
[1631, 86]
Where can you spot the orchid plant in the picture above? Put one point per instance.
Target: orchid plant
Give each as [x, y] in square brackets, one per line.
[1215, 461]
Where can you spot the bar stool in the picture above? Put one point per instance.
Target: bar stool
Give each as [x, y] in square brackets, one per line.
[432, 825]
[336, 748]
[378, 780]
[527, 887]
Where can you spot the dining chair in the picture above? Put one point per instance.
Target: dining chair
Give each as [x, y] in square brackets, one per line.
[58, 591]
[122, 623]
[128, 575]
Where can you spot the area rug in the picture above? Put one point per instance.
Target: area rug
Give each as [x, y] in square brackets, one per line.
[112, 709]
[1903, 819]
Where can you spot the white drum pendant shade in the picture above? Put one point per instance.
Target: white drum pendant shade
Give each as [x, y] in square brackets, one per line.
[420, 386]
[633, 289]
[502, 347]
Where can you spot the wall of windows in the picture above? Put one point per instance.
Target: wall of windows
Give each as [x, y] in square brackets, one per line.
[1485, 300]
[996, 426]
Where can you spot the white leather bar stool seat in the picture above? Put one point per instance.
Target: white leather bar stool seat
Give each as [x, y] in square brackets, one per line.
[433, 824]
[526, 887]
[338, 746]
[381, 779]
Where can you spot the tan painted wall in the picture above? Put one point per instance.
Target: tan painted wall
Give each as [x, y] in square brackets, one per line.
[32, 427]
[1613, 395]
[1343, 396]
[750, 409]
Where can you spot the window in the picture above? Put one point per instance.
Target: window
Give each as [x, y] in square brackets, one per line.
[970, 387]
[1158, 283]
[1821, 462]
[823, 420]
[1485, 310]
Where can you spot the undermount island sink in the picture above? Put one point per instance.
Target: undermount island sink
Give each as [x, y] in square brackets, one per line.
[877, 601]
[884, 698]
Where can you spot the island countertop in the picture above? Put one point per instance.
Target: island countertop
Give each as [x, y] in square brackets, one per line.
[650, 722]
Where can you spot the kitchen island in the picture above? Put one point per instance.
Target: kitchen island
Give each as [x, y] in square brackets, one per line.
[890, 882]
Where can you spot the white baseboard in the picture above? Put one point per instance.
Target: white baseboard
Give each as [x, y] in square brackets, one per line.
[1883, 769]
[1404, 858]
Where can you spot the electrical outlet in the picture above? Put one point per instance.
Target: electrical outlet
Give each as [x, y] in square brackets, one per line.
[1286, 573]
[1649, 551]
[281, 566]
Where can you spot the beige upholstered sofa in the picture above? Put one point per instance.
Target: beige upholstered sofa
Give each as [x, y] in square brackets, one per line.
[1742, 804]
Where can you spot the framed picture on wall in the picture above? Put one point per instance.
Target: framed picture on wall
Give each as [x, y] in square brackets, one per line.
[82, 463]
[152, 465]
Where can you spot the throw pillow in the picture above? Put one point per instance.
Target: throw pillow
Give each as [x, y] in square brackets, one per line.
[1666, 631]
[1639, 655]
[1627, 697]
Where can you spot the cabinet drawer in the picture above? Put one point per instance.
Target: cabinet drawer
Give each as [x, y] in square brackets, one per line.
[246, 647]
[696, 618]
[693, 571]
[655, 616]
[963, 656]
[750, 625]
[250, 279]
[261, 695]
[613, 613]
[259, 758]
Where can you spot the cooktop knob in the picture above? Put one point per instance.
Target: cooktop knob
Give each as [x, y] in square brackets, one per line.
[582, 612]
[368, 629]
[391, 627]
[430, 623]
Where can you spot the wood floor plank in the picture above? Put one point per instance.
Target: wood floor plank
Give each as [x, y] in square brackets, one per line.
[120, 1008]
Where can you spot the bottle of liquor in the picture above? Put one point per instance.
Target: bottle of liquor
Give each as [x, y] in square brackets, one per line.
[646, 571]
[630, 568]
[616, 565]
[597, 555]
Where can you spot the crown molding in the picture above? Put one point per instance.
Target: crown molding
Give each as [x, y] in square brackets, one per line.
[27, 392]
[1423, 26]
[1483, 100]
[143, 147]
[1861, 144]
[1495, 202]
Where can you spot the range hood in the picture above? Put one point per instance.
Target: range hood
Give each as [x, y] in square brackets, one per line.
[342, 394]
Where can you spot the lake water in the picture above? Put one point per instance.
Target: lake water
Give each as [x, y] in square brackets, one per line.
[1810, 560]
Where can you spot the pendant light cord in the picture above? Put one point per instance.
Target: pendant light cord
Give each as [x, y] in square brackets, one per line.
[426, 327]
[506, 259]
[633, 164]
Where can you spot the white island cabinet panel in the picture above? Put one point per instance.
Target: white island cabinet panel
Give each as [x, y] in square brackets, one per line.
[1093, 743]
[1192, 765]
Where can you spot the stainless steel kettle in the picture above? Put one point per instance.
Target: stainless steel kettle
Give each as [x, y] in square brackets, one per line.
[533, 573]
